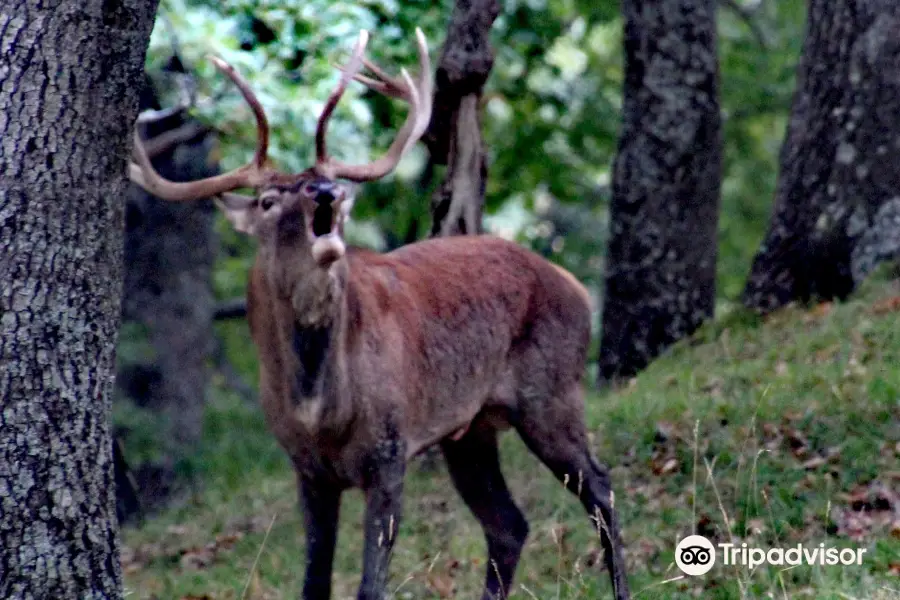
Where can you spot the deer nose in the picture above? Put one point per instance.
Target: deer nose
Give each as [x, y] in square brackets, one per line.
[325, 192]
[325, 197]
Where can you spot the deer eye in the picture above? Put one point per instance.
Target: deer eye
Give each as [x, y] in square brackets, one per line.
[266, 202]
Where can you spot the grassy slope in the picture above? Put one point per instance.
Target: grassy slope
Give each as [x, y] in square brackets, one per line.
[798, 420]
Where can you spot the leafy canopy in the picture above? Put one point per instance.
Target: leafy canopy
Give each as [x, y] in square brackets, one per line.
[551, 112]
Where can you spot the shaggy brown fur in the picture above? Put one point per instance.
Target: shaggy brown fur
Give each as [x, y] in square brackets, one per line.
[444, 341]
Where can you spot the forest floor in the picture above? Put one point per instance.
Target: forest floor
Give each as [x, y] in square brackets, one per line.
[770, 432]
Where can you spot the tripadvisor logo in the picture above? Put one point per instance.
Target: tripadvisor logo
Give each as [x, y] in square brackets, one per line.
[696, 555]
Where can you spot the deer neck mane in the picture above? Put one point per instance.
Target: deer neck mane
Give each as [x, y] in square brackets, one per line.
[318, 396]
[317, 298]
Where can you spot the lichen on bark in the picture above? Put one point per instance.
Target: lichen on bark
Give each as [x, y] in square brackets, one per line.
[835, 215]
[660, 277]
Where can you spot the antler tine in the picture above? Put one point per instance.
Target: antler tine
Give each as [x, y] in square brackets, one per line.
[349, 72]
[252, 174]
[386, 86]
[262, 124]
[417, 93]
[394, 86]
[426, 86]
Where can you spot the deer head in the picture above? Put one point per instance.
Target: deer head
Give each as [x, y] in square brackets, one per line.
[300, 217]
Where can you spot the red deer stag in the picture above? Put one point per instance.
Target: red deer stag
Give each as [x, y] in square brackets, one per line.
[367, 359]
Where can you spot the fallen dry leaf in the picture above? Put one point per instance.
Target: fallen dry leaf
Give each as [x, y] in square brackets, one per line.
[196, 558]
[706, 526]
[665, 441]
[792, 415]
[886, 305]
[828, 456]
[822, 310]
[202, 557]
[756, 526]
[177, 529]
[854, 369]
[872, 509]
[669, 466]
[443, 581]
[664, 432]
[814, 463]
[826, 354]
[443, 585]
[193, 556]
[798, 443]
[714, 387]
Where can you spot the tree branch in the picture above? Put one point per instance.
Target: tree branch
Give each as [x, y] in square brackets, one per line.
[166, 141]
[236, 308]
[465, 64]
[454, 133]
[749, 18]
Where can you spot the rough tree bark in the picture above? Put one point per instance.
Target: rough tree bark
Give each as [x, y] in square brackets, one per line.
[661, 262]
[169, 254]
[69, 79]
[454, 134]
[837, 204]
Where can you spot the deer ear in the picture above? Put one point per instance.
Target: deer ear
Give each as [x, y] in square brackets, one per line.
[241, 211]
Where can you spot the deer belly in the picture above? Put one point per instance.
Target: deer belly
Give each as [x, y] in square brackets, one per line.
[487, 415]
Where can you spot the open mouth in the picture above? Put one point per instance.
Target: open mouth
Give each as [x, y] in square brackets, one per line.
[324, 235]
[323, 222]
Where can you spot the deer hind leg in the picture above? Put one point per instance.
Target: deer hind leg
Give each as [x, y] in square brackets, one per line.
[554, 431]
[474, 465]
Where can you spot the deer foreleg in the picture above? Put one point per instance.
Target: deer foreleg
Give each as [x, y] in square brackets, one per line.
[384, 505]
[321, 504]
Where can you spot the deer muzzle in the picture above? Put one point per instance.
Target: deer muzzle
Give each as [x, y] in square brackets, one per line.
[325, 228]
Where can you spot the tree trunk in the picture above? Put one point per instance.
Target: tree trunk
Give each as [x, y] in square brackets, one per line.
[454, 134]
[169, 254]
[661, 262]
[837, 203]
[68, 97]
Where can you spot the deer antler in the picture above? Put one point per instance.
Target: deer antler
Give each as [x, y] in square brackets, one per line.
[252, 174]
[418, 93]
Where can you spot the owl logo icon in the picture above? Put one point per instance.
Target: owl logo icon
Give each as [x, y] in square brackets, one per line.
[695, 555]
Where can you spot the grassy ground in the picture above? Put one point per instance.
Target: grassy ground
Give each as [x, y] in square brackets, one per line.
[769, 432]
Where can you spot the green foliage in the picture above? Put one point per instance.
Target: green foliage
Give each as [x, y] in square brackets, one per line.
[551, 111]
[757, 83]
[287, 51]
